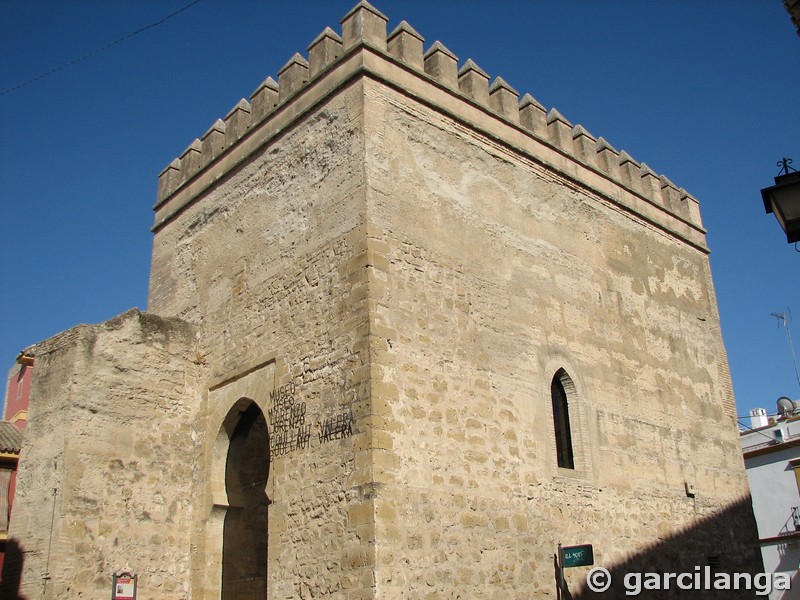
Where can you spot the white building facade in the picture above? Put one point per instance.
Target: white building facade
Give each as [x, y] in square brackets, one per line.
[772, 458]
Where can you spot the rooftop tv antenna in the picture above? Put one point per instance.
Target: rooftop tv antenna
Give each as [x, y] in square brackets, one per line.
[784, 318]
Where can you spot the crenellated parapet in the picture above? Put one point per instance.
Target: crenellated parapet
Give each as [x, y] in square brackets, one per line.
[570, 148]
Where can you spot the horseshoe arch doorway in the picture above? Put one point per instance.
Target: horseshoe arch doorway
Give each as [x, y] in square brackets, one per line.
[245, 528]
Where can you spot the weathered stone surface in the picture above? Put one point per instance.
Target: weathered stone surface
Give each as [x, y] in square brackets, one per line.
[292, 77]
[323, 51]
[392, 274]
[474, 82]
[277, 278]
[405, 44]
[441, 64]
[103, 482]
[499, 274]
[364, 24]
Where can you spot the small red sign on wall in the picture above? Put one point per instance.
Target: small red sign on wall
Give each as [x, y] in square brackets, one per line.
[124, 587]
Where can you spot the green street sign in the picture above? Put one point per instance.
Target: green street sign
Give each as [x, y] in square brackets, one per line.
[577, 556]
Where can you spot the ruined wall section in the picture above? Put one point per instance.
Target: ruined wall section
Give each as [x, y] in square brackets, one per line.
[109, 447]
[498, 272]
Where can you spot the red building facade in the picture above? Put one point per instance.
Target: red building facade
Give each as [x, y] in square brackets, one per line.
[15, 417]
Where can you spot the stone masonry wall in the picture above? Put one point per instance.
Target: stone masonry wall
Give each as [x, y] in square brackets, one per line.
[271, 263]
[392, 259]
[107, 456]
[497, 273]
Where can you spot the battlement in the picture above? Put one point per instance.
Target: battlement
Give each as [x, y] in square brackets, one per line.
[568, 149]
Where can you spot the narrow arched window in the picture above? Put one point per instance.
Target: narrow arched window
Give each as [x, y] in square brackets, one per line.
[561, 424]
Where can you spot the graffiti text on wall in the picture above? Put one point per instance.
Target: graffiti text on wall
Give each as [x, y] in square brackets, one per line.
[289, 430]
[287, 421]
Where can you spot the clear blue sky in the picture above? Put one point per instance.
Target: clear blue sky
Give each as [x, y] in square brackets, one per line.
[703, 91]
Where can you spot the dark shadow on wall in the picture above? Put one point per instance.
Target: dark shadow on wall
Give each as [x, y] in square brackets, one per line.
[726, 542]
[565, 593]
[12, 571]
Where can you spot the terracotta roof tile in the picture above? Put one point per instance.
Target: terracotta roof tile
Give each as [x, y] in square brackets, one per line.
[10, 438]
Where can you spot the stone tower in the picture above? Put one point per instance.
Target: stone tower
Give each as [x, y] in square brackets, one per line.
[406, 333]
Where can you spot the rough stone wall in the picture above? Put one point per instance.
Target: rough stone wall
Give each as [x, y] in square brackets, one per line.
[497, 273]
[271, 263]
[108, 453]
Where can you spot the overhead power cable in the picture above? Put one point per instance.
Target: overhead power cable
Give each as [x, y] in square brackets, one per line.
[98, 50]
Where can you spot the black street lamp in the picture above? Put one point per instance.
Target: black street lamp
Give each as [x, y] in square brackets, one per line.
[783, 199]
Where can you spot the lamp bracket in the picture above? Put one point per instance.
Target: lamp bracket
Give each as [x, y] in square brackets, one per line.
[784, 165]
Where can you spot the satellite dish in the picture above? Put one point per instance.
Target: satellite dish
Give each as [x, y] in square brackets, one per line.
[785, 406]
